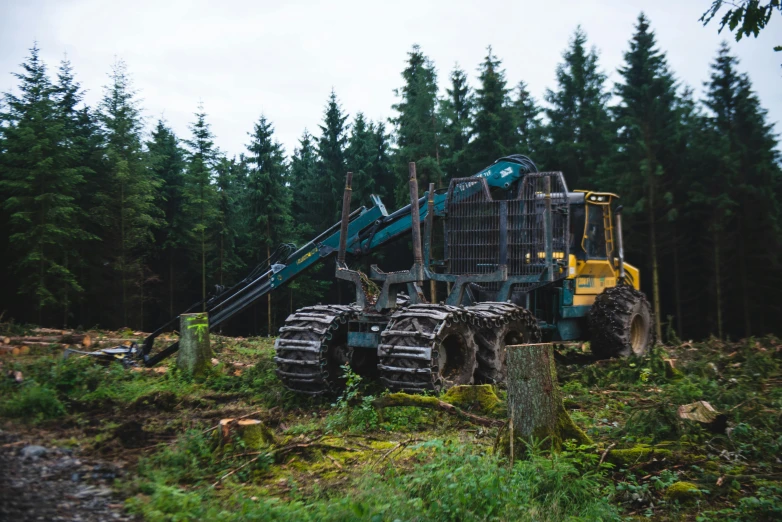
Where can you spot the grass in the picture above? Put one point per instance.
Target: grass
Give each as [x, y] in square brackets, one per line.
[359, 463]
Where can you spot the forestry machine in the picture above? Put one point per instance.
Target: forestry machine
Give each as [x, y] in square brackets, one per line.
[519, 258]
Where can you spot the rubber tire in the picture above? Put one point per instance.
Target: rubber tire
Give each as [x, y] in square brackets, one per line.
[492, 344]
[610, 321]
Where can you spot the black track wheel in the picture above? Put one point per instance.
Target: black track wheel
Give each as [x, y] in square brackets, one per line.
[621, 323]
[500, 325]
[311, 348]
[427, 347]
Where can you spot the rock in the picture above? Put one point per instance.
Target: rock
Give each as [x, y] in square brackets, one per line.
[33, 452]
[682, 491]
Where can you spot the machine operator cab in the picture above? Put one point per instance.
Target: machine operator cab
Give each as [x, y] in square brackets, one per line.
[593, 262]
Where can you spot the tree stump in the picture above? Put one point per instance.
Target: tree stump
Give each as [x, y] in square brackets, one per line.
[195, 352]
[252, 432]
[535, 406]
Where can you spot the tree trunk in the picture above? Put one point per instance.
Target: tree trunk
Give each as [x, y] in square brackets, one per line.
[677, 285]
[195, 352]
[718, 281]
[269, 295]
[537, 414]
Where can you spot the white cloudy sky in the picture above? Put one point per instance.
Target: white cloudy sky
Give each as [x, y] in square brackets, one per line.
[282, 58]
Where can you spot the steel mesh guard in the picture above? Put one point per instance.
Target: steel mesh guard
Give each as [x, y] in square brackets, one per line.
[483, 233]
[472, 228]
[527, 228]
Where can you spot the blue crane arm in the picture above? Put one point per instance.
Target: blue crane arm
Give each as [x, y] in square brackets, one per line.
[368, 229]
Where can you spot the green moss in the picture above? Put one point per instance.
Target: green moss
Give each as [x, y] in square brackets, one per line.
[257, 436]
[682, 491]
[634, 455]
[481, 397]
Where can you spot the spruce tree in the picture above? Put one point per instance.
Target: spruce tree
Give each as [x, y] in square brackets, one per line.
[331, 161]
[200, 193]
[268, 196]
[125, 204]
[417, 125]
[493, 125]
[166, 164]
[644, 165]
[304, 175]
[746, 146]
[579, 132]
[231, 219]
[360, 157]
[528, 128]
[456, 115]
[38, 184]
[383, 172]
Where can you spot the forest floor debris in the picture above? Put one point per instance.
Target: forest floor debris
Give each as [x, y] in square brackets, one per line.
[348, 458]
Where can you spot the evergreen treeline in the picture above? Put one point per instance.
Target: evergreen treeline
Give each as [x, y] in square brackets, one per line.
[106, 224]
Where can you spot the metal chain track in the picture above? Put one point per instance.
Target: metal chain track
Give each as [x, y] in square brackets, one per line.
[410, 347]
[498, 321]
[306, 356]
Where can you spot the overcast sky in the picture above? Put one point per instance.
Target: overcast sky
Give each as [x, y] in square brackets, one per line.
[282, 58]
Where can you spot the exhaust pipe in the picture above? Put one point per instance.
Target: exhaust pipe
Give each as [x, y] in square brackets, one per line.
[620, 244]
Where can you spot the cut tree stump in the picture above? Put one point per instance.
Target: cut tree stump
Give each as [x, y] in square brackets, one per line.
[537, 413]
[195, 352]
[252, 432]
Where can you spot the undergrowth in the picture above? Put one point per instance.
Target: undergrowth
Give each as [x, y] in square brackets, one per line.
[441, 482]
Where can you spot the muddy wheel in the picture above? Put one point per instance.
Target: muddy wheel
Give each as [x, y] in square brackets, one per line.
[621, 323]
[427, 347]
[311, 348]
[505, 324]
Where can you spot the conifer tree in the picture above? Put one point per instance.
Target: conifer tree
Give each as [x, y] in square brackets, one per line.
[580, 131]
[331, 161]
[644, 165]
[268, 196]
[38, 185]
[383, 173]
[166, 163]
[456, 115]
[304, 175]
[230, 218]
[360, 157]
[749, 161]
[493, 126]
[528, 128]
[125, 204]
[200, 193]
[417, 125]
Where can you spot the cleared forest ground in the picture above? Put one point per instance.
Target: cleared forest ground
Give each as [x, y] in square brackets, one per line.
[343, 459]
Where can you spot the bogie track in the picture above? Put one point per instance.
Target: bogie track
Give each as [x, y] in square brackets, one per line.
[427, 347]
[311, 348]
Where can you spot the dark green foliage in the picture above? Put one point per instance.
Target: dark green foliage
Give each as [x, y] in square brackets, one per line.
[200, 194]
[579, 131]
[750, 16]
[33, 402]
[417, 125]
[331, 166]
[456, 116]
[40, 183]
[526, 121]
[166, 163]
[267, 193]
[125, 202]
[494, 125]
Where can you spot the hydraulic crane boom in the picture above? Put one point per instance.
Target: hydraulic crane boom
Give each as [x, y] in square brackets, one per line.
[368, 229]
